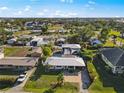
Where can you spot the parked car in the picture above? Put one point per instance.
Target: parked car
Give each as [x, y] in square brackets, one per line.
[22, 77]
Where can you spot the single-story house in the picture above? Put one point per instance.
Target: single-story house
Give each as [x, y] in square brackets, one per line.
[36, 52]
[64, 62]
[18, 63]
[37, 41]
[114, 58]
[11, 41]
[12, 29]
[70, 48]
[95, 42]
[60, 41]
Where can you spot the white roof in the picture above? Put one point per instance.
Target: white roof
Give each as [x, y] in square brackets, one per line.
[64, 61]
[37, 39]
[71, 46]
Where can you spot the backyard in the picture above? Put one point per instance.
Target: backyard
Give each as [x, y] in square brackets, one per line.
[16, 51]
[41, 82]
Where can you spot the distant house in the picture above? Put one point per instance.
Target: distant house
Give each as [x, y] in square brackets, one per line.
[59, 63]
[95, 42]
[11, 41]
[60, 41]
[30, 24]
[18, 63]
[114, 58]
[12, 29]
[36, 29]
[37, 41]
[71, 48]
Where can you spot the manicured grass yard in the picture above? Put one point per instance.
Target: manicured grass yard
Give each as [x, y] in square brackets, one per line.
[16, 51]
[41, 81]
[19, 33]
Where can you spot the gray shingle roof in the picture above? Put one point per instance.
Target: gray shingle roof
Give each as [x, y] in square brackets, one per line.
[114, 55]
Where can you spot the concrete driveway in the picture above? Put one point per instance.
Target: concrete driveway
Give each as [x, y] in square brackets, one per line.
[18, 88]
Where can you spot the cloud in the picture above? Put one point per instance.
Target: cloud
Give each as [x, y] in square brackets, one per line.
[45, 10]
[4, 8]
[91, 2]
[90, 5]
[59, 13]
[18, 13]
[27, 8]
[67, 1]
[40, 14]
[34, 0]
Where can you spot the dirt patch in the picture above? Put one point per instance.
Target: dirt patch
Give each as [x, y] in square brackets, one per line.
[72, 78]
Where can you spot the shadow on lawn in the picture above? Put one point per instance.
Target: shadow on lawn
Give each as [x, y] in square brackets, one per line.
[41, 71]
[106, 76]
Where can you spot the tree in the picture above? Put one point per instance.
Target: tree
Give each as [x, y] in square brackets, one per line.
[44, 28]
[47, 51]
[60, 79]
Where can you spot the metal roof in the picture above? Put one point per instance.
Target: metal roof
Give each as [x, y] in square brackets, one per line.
[19, 61]
[64, 61]
[71, 46]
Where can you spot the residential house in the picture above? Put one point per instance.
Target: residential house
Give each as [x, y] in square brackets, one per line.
[12, 29]
[114, 58]
[11, 41]
[60, 41]
[95, 42]
[67, 60]
[37, 41]
[59, 63]
[71, 48]
[18, 63]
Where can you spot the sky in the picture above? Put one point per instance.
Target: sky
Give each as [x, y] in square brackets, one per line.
[61, 8]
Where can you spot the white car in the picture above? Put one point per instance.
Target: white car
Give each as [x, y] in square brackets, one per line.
[21, 78]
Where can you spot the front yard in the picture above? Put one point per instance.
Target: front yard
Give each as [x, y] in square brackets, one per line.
[41, 81]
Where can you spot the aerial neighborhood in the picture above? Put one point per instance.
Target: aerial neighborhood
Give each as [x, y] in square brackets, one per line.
[61, 55]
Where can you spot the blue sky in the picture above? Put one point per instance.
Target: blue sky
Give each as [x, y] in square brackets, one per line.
[61, 8]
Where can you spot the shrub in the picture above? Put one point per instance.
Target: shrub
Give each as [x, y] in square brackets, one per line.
[49, 91]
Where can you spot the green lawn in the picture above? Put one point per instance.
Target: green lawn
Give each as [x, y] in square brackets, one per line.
[16, 51]
[104, 81]
[41, 81]
[19, 33]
